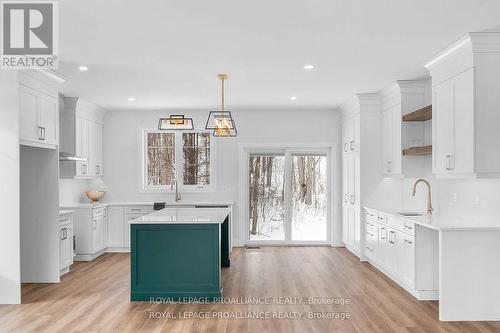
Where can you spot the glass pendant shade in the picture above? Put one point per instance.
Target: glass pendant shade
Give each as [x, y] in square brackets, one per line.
[176, 122]
[221, 123]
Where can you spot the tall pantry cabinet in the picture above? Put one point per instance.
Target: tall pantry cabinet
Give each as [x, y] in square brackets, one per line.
[360, 163]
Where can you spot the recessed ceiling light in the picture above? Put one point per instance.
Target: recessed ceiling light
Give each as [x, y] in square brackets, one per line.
[131, 99]
[293, 98]
[308, 67]
[83, 68]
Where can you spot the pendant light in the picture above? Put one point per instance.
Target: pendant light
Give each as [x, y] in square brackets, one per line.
[220, 121]
[176, 122]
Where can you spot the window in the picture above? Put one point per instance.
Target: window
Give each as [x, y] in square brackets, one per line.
[190, 153]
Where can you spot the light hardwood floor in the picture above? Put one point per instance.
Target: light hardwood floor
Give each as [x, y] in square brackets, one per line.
[94, 297]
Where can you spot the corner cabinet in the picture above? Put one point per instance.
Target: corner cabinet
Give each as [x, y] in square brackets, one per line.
[466, 81]
[39, 112]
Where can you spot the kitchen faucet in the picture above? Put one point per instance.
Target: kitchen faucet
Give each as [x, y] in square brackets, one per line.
[178, 196]
[429, 199]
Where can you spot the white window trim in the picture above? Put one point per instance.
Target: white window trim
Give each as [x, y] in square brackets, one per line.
[143, 188]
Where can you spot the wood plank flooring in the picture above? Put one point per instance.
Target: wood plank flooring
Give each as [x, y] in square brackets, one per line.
[94, 297]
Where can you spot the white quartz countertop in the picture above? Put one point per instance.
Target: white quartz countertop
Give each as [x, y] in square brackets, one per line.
[142, 203]
[440, 222]
[184, 215]
[65, 212]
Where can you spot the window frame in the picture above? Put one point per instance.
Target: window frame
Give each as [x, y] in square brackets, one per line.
[179, 161]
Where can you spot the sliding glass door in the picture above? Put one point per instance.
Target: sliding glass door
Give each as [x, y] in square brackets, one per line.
[288, 196]
[266, 196]
[309, 197]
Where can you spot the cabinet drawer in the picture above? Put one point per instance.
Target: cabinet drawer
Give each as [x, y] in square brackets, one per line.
[395, 223]
[371, 235]
[137, 210]
[371, 227]
[381, 218]
[99, 212]
[371, 216]
[65, 219]
[409, 228]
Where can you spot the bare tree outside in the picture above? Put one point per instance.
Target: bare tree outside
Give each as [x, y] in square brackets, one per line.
[161, 159]
[308, 197]
[196, 153]
[267, 201]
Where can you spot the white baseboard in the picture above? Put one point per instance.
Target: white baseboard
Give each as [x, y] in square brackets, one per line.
[118, 250]
[88, 257]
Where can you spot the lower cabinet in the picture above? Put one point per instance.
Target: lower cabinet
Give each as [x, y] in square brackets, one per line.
[119, 228]
[91, 232]
[391, 246]
[65, 243]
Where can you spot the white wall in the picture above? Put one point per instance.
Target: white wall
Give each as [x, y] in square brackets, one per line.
[39, 216]
[10, 277]
[122, 150]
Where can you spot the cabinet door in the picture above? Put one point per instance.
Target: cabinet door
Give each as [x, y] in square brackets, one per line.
[48, 119]
[462, 156]
[356, 136]
[91, 148]
[357, 227]
[115, 227]
[383, 244]
[98, 152]
[442, 126]
[345, 180]
[351, 181]
[406, 259]
[387, 146]
[82, 146]
[345, 224]
[345, 136]
[65, 246]
[396, 155]
[351, 222]
[28, 104]
[97, 234]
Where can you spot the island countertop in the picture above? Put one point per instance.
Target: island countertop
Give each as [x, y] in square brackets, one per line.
[184, 216]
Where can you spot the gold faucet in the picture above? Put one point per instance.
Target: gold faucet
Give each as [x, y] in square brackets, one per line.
[429, 199]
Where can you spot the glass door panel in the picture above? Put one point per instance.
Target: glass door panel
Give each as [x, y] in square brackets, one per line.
[266, 197]
[309, 197]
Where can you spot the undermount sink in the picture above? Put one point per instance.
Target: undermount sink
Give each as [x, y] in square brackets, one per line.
[412, 214]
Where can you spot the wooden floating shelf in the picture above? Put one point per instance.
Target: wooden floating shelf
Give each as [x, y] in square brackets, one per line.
[422, 114]
[425, 150]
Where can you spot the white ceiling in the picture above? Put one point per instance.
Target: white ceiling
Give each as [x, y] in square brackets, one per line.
[167, 53]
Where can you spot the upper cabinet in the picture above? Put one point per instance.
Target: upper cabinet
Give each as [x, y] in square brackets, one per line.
[81, 138]
[350, 135]
[39, 113]
[466, 81]
[398, 100]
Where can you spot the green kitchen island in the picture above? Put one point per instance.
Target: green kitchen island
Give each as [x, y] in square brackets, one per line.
[177, 254]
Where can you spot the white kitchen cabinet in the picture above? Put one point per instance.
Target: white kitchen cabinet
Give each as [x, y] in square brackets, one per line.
[82, 136]
[38, 114]
[360, 140]
[65, 242]
[410, 262]
[399, 99]
[91, 232]
[466, 81]
[116, 228]
[454, 125]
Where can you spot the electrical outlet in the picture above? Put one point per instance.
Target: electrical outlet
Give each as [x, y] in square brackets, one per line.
[476, 200]
[454, 197]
